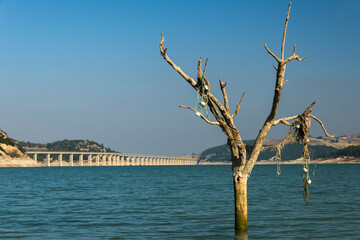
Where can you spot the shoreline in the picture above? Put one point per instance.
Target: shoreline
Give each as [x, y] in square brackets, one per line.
[342, 160]
[8, 162]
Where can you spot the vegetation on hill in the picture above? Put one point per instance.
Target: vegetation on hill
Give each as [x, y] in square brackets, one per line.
[351, 151]
[68, 145]
[290, 152]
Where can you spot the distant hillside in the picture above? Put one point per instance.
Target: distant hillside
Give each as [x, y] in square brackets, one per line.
[12, 154]
[67, 145]
[351, 151]
[319, 148]
[9, 147]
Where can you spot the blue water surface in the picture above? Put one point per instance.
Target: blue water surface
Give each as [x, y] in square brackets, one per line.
[176, 202]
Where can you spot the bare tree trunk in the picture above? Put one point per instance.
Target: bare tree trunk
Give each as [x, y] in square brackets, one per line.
[240, 198]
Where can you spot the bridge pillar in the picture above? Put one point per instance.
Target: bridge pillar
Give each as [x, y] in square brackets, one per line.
[81, 159]
[90, 160]
[122, 161]
[71, 160]
[104, 160]
[146, 161]
[97, 160]
[109, 160]
[132, 161]
[35, 157]
[141, 161]
[48, 160]
[60, 160]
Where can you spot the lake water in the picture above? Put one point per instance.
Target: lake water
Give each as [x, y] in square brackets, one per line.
[176, 202]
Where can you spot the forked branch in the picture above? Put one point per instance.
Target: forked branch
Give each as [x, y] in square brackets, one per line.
[293, 56]
[201, 115]
[213, 101]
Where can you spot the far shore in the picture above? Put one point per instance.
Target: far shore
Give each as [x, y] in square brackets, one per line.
[342, 160]
[31, 163]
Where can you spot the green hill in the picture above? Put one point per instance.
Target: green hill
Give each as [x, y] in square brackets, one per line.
[290, 152]
[351, 151]
[67, 146]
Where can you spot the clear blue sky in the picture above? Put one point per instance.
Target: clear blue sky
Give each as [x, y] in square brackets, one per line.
[92, 69]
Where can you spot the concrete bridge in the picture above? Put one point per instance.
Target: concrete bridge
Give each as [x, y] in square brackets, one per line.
[108, 159]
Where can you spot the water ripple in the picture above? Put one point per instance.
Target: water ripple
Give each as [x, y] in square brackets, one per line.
[175, 202]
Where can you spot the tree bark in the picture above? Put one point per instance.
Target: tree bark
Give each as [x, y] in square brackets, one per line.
[240, 197]
[238, 155]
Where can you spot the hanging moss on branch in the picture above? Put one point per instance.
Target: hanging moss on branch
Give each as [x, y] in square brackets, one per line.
[299, 131]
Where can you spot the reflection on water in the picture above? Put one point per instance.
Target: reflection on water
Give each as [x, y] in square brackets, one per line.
[241, 236]
[175, 202]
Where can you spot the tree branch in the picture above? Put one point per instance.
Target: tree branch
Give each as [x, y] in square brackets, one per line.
[173, 65]
[223, 90]
[238, 106]
[201, 115]
[285, 28]
[259, 141]
[323, 127]
[294, 56]
[216, 114]
[226, 115]
[271, 53]
[285, 120]
[205, 67]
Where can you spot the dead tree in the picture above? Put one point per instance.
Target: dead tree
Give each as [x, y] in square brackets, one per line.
[243, 156]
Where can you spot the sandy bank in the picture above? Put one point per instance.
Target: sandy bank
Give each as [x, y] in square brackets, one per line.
[9, 162]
